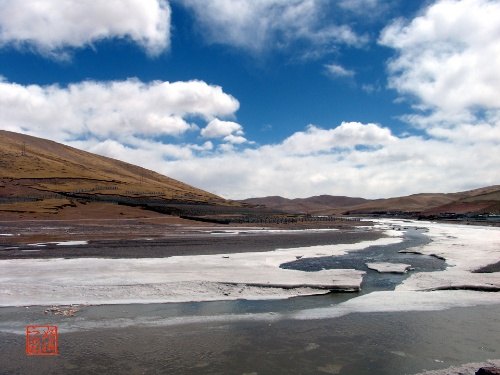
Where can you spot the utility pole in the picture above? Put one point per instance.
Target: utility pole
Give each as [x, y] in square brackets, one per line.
[23, 153]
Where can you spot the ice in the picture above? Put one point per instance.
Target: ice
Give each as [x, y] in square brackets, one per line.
[468, 368]
[253, 275]
[71, 243]
[393, 301]
[66, 243]
[384, 267]
[256, 275]
[466, 249]
[239, 231]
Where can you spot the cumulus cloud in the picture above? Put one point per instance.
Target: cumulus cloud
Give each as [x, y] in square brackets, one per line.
[258, 24]
[328, 161]
[116, 109]
[319, 161]
[51, 26]
[347, 135]
[447, 61]
[448, 58]
[218, 128]
[123, 120]
[235, 139]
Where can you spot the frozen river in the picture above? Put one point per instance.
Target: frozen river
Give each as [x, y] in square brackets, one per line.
[438, 314]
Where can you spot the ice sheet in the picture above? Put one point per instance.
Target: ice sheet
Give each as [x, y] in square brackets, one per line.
[258, 276]
[403, 301]
[66, 243]
[465, 248]
[389, 267]
[176, 279]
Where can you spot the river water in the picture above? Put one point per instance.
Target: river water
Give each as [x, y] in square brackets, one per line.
[262, 337]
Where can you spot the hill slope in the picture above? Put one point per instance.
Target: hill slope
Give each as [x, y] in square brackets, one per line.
[478, 201]
[35, 167]
[482, 200]
[313, 205]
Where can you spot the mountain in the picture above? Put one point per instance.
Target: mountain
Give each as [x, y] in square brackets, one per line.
[313, 205]
[35, 170]
[477, 201]
[411, 203]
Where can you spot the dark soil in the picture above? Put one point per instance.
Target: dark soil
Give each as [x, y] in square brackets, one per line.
[179, 244]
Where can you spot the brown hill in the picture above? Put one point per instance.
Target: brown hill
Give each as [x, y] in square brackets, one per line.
[478, 201]
[411, 203]
[313, 205]
[482, 200]
[35, 168]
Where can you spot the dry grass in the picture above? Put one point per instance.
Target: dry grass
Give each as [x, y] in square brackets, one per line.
[46, 206]
[34, 166]
[66, 169]
[25, 157]
[56, 210]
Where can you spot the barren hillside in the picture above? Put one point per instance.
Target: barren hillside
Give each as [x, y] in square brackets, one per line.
[480, 200]
[39, 175]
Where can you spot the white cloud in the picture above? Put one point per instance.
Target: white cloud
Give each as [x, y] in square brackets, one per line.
[347, 135]
[300, 167]
[217, 128]
[371, 88]
[477, 134]
[50, 26]
[259, 24]
[115, 119]
[235, 139]
[338, 71]
[115, 109]
[448, 59]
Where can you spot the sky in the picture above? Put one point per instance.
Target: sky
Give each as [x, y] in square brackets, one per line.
[252, 98]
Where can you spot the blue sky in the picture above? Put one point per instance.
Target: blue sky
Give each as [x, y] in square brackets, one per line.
[248, 98]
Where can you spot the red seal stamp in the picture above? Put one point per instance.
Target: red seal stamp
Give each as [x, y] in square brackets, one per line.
[41, 340]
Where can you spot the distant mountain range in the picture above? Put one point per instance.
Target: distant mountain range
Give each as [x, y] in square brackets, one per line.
[478, 201]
